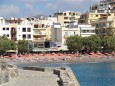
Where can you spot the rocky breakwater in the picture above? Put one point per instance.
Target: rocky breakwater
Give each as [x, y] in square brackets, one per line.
[65, 74]
[7, 72]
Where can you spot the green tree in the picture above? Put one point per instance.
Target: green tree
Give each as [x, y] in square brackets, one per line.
[109, 43]
[74, 43]
[6, 44]
[24, 46]
[91, 43]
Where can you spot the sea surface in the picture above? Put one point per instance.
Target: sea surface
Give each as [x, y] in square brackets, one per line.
[88, 74]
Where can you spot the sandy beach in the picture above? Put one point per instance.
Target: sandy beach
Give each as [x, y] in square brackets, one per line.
[60, 58]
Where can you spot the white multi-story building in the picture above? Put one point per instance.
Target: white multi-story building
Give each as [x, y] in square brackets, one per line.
[24, 30]
[60, 33]
[16, 29]
[86, 30]
[4, 28]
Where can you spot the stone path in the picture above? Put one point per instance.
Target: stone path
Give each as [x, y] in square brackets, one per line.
[33, 78]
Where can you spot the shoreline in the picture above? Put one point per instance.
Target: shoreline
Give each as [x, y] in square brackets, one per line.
[62, 62]
[61, 59]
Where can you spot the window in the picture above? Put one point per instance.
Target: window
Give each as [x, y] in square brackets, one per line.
[73, 13]
[64, 14]
[29, 36]
[23, 29]
[7, 28]
[28, 29]
[24, 36]
[88, 31]
[3, 28]
[4, 35]
[74, 33]
[83, 31]
[96, 15]
[42, 25]
[65, 17]
[69, 13]
[7, 35]
[36, 26]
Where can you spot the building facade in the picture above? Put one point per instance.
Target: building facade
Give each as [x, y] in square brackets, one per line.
[89, 18]
[67, 17]
[16, 29]
[41, 30]
[105, 22]
[61, 33]
[103, 6]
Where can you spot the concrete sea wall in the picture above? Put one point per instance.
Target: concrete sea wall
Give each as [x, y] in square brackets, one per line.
[67, 77]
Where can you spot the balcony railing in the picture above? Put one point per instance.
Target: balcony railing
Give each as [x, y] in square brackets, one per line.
[40, 28]
[38, 40]
[39, 33]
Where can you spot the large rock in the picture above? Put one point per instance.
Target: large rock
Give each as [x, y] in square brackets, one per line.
[7, 72]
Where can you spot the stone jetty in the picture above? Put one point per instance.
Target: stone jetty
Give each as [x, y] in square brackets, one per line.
[65, 75]
[36, 76]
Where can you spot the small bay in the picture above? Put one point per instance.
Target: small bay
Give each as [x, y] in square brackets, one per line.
[88, 74]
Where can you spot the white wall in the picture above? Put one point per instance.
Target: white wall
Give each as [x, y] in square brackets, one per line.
[5, 32]
[20, 32]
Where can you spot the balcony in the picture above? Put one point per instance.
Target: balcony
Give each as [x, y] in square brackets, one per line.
[39, 34]
[39, 28]
[38, 40]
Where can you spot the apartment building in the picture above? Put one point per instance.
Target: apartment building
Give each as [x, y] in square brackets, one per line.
[4, 28]
[105, 22]
[25, 30]
[103, 6]
[41, 30]
[67, 17]
[89, 18]
[16, 29]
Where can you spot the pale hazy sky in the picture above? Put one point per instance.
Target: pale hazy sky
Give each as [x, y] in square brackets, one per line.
[23, 8]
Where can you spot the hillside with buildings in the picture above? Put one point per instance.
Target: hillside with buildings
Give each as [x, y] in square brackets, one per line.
[52, 31]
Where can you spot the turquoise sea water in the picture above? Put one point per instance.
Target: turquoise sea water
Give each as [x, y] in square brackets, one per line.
[88, 74]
